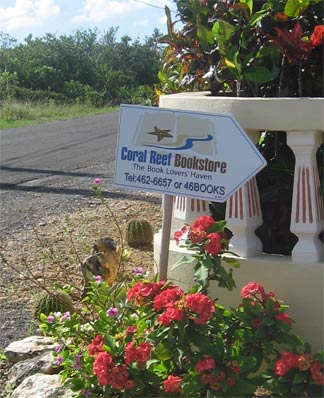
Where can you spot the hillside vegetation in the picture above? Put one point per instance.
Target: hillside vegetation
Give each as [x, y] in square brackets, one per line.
[79, 72]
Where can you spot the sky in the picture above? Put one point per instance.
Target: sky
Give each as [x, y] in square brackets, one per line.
[136, 18]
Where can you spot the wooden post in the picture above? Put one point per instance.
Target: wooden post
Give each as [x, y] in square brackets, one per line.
[167, 205]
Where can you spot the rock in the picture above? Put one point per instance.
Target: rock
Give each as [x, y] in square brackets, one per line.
[21, 370]
[41, 386]
[28, 348]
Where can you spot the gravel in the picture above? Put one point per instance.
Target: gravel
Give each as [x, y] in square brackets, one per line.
[48, 226]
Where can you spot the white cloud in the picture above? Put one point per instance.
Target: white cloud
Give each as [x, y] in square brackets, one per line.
[142, 23]
[27, 13]
[163, 20]
[99, 10]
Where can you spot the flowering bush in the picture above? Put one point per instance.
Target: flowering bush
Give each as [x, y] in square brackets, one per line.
[149, 338]
[264, 48]
[209, 239]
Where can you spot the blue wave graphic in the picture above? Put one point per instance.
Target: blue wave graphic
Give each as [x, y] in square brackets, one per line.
[188, 144]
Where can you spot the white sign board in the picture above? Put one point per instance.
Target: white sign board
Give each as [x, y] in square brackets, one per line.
[192, 154]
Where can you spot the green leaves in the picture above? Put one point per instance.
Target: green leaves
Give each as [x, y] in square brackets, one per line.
[183, 260]
[294, 8]
[223, 32]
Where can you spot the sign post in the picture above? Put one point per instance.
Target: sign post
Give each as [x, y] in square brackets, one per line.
[192, 154]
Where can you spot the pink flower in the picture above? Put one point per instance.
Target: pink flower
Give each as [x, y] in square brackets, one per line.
[97, 181]
[59, 360]
[66, 316]
[50, 318]
[97, 278]
[138, 271]
[112, 312]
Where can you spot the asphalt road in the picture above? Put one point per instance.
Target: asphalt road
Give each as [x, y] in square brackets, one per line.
[50, 167]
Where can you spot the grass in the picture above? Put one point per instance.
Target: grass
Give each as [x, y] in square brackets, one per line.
[18, 114]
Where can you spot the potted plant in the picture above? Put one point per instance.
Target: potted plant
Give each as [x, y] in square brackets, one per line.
[246, 48]
[260, 61]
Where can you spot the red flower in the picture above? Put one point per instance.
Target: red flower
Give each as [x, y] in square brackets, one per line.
[130, 384]
[139, 354]
[287, 361]
[118, 377]
[284, 317]
[317, 35]
[96, 345]
[143, 292]
[257, 323]
[214, 246]
[197, 234]
[171, 314]
[131, 330]
[181, 234]
[316, 371]
[101, 367]
[252, 289]
[203, 222]
[230, 381]
[200, 305]
[167, 297]
[304, 361]
[172, 384]
[292, 44]
[281, 367]
[208, 364]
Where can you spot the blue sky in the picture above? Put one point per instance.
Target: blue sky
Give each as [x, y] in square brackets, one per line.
[136, 18]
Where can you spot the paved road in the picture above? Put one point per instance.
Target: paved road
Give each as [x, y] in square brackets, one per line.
[50, 167]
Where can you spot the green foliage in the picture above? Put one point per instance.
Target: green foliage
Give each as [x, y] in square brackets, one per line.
[84, 67]
[150, 339]
[139, 232]
[209, 240]
[52, 301]
[245, 48]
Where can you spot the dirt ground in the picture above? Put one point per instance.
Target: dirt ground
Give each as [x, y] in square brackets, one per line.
[51, 253]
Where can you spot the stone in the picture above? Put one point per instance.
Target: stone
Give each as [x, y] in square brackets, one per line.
[41, 386]
[28, 348]
[40, 364]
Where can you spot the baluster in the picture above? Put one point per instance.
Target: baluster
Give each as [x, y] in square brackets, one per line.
[307, 213]
[186, 210]
[243, 215]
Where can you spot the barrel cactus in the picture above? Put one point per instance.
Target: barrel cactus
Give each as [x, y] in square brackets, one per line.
[52, 301]
[139, 233]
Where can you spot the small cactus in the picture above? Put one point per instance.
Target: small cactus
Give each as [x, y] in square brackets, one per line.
[52, 301]
[139, 233]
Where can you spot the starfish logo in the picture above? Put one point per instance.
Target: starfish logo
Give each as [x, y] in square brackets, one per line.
[160, 134]
[161, 130]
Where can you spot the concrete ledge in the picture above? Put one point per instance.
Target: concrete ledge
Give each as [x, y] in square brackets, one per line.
[298, 285]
